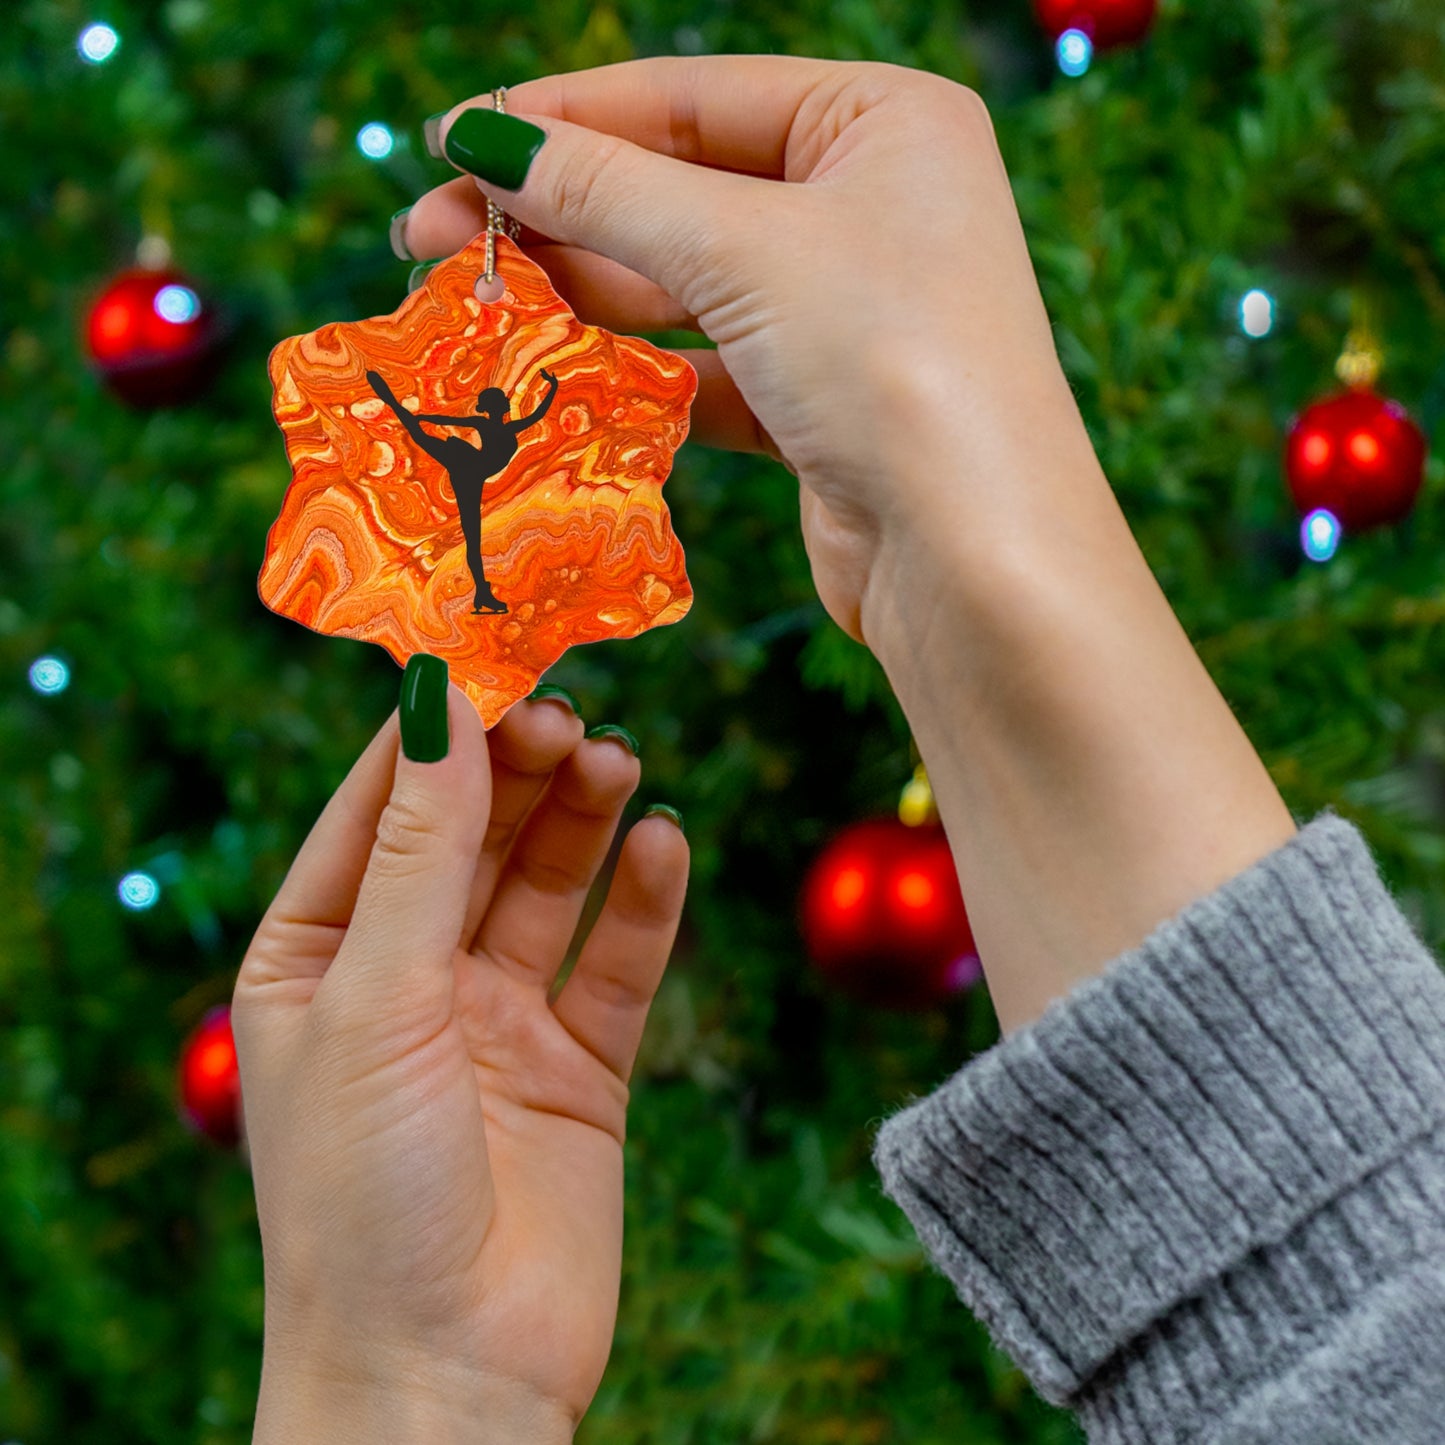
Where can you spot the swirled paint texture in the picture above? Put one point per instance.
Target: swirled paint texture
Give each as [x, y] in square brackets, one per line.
[575, 536]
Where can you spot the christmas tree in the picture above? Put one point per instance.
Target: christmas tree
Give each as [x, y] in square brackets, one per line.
[1214, 210]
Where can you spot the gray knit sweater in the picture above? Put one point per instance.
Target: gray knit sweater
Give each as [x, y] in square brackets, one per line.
[1202, 1198]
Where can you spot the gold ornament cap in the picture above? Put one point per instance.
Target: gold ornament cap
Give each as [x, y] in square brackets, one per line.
[915, 804]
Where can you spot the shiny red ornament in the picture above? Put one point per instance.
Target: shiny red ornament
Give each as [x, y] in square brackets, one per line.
[1107, 23]
[1357, 455]
[210, 1080]
[153, 338]
[883, 917]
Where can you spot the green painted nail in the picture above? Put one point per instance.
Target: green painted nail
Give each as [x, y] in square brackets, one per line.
[612, 730]
[498, 148]
[431, 133]
[667, 812]
[396, 233]
[550, 689]
[424, 734]
[418, 276]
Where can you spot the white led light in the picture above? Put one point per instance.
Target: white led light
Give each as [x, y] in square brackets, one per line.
[97, 43]
[177, 304]
[1074, 50]
[375, 140]
[1320, 535]
[49, 675]
[1256, 313]
[138, 891]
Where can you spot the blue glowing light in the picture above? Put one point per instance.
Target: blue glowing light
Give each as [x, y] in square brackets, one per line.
[178, 304]
[1320, 535]
[375, 140]
[1256, 313]
[1074, 50]
[49, 675]
[97, 43]
[138, 891]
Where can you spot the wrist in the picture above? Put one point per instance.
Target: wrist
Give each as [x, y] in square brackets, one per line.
[1091, 778]
[324, 1404]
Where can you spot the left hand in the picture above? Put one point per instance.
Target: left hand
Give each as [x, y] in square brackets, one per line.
[436, 1147]
[547, 376]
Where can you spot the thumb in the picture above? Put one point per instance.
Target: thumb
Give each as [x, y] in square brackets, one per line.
[664, 218]
[395, 963]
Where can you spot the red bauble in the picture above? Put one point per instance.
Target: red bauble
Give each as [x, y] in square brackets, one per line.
[210, 1081]
[1357, 455]
[1107, 23]
[153, 338]
[883, 917]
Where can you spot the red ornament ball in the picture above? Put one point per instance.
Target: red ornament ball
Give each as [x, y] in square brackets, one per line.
[152, 337]
[883, 917]
[1357, 455]
[1107, 23]
[210, 1080]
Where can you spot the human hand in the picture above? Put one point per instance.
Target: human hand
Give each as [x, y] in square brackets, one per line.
[378, 384]
[547, 376]
[878, 324]
[436, 1149]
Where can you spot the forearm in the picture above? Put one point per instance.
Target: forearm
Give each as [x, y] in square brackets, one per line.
[1091, 778]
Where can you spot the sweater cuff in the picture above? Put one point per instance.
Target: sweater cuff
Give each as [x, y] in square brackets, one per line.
[1255, 1058]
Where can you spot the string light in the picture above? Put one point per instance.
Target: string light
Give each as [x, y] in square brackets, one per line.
[375, 140]
[97, 44]
[138, 891]
[1256, 313]
[1075, 52]
[1320, 535]
[49, 675]
[177, 304]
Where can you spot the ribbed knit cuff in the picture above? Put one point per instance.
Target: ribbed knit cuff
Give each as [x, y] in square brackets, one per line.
[1210, 1110]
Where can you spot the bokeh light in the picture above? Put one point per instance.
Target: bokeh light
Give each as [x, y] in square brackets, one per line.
[49, 675]
[1256, 313]
[97, 43]
[178, 304]
[1075, 51]
[138, 891]
[375, 140]
[1320, 535]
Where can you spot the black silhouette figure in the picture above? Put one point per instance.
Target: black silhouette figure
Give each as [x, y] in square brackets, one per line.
[468, 466]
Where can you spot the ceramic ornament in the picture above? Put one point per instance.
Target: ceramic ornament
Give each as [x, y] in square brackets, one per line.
[478, 480]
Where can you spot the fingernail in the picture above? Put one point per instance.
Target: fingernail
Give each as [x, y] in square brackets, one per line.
[431, 133]
[497, 147]
[424, 733]
[612, 730]
[667, 812]
[397, 235]
[418, 276]
[550, 689]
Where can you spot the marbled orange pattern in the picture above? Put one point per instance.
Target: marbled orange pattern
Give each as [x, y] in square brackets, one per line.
[575, 533]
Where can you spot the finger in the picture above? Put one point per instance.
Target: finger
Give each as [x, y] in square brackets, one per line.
[720, 415]
[300, 931]
[737, 112]
[525, 746]
[597, 290]
[395, 965]
[544, 885]
[652, 214]
[606, 998]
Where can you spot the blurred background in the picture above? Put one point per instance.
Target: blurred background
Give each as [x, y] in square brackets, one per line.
[1235, 210]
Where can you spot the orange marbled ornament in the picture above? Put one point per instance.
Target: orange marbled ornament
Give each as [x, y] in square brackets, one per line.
[541, 506]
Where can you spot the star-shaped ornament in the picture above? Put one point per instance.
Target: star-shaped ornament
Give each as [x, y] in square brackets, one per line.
[478, 480]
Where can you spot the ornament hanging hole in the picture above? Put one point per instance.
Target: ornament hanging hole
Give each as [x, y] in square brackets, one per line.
[491, 291]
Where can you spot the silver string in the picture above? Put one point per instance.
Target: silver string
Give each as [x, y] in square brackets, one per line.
[497, 218]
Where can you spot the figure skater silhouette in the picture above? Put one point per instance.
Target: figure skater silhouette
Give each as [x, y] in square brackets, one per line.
[469, 467]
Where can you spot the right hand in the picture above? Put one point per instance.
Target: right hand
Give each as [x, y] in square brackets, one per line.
[878, 324]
